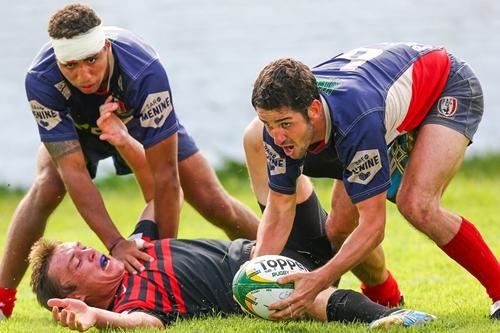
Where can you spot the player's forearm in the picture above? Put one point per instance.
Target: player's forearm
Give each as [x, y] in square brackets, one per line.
[364, 239]
[167, 199]
[162, 159]
[275, 227]
[108, 319]
[70, 163]
[90, 205]
[133, 153]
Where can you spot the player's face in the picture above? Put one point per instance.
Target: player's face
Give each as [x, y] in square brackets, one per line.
[289, 129]
[89, 75]
[93, 273]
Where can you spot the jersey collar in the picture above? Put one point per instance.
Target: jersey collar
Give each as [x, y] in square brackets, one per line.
[328, 127]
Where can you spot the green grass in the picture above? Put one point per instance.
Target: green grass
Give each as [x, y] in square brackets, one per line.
[430, 281]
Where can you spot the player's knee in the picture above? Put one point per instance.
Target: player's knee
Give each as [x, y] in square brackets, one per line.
[338, 230]
[417, 208]
[218, 209]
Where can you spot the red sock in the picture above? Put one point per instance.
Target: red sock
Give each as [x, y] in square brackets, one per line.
[470, 250]
[387, 293]
[7, 299]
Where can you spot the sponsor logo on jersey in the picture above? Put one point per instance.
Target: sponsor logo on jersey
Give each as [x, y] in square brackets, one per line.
[64, 89]
[44, 116]
[364, 166]
[327, 84]
[156, 109]
[447, 106]
[275, 163]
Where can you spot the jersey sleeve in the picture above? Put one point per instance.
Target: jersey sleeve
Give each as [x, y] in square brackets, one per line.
[49, 109]
[363, 151]
[282, 171]
[156, 117]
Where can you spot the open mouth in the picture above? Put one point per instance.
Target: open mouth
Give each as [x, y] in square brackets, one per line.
[288, 149]
[104, 262]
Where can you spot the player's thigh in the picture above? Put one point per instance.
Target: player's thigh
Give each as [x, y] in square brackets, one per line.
[343, 217]
[199, 181]
[255, 158]
[434, 160]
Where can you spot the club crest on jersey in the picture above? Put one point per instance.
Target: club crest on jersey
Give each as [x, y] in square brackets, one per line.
[44, 116]
[364, 166]
[447, 106]
[275, 163]
[156, 109]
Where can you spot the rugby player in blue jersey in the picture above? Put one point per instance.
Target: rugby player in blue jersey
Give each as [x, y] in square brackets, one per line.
[188, 279]
[84, 71]
[341, 118]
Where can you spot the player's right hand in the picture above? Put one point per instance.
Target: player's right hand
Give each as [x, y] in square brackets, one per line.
[72, 313]
[113, 129]
[127, 252]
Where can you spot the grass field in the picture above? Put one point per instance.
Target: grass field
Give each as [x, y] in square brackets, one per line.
[429, 280]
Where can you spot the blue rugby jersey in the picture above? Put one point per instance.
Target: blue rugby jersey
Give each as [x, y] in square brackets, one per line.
[371, 95]
[138, 82]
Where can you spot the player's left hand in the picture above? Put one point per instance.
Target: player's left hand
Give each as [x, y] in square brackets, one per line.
[307, 287]
[75, 314]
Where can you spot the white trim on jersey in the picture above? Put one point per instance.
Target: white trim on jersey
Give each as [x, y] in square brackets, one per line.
[397, 104]
[328, 120]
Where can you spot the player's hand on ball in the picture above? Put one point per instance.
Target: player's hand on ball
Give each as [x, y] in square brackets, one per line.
[75, 314]
[306, 287]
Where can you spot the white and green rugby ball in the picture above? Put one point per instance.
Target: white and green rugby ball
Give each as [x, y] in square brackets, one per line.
[255, 286]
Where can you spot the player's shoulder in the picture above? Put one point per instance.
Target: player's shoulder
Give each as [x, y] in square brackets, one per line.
[44, 67]
[134, 55]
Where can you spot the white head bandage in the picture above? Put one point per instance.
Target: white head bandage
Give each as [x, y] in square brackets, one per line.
[80, 46]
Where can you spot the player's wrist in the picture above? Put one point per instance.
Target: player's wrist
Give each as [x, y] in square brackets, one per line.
[114, 243]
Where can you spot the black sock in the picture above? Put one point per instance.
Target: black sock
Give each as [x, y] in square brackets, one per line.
[148, 230]
[347, 306]
[308, 235]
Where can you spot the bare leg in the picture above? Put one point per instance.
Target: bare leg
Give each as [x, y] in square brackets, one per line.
[435, 159]
[30, 219]
[204, 192]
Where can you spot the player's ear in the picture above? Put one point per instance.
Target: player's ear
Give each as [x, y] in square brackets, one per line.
[315, 109]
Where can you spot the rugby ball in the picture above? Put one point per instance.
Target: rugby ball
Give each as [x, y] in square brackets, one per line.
[255, 287]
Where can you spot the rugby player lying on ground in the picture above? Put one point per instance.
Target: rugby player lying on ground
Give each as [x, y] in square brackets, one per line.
[188, 278]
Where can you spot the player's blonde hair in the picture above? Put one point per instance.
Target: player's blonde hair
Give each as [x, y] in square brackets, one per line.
[42, 285]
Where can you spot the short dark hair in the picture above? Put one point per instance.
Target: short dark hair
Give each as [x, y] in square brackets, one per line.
[285, 83]
[72, 20]
[42, 285]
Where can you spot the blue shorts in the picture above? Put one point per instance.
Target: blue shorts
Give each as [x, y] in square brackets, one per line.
[95, 150]
[460, 105]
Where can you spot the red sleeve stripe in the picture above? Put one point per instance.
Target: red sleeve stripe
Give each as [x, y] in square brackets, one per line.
[174, 284]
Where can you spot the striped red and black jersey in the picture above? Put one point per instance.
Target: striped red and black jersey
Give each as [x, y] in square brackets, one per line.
[187, 278]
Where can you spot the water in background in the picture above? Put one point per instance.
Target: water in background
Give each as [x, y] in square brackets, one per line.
[213, 50]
